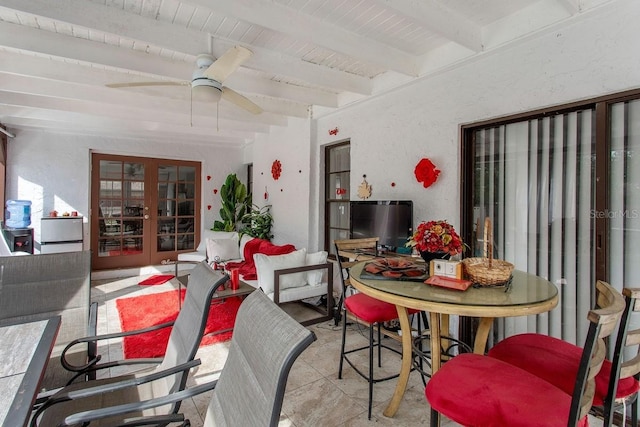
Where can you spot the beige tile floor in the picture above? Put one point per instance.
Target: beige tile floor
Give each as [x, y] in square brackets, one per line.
[315, 396]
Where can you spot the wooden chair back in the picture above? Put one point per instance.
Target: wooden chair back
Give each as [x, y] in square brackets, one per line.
[603, 322]
[352, 251]
[348, 253]
[627, 341]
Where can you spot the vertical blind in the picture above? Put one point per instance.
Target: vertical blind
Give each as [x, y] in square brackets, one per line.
[535, 180]
[623, 213]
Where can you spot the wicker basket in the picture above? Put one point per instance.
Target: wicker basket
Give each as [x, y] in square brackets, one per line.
[487, 271]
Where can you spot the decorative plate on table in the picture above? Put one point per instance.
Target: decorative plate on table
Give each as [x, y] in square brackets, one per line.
[394, 269]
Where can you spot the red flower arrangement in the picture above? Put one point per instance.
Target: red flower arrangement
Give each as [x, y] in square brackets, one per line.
[426, 172]
[436, 236]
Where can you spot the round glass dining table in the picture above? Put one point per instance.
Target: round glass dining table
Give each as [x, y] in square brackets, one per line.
[528, 294]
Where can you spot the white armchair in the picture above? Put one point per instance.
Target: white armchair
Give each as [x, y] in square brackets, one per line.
[294, 276]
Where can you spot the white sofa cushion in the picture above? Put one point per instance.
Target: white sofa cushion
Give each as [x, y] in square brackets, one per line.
[210, 234]
[315, 277]
[192, 256]
[223, 249]
[267, 264]
[200, 254]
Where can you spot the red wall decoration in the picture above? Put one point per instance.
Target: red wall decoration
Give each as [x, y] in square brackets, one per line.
[426, 172]
[276, 169]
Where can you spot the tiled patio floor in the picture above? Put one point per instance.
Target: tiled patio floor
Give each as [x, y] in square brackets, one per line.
[315, 396]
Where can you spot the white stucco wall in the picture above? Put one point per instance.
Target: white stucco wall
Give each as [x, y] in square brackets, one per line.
[53, 170]
[289, 195]
[391, 133]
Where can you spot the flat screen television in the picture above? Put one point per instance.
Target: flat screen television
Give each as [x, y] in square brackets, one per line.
[390, 220]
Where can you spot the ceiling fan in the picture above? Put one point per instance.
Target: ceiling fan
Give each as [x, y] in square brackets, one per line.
[206, 81]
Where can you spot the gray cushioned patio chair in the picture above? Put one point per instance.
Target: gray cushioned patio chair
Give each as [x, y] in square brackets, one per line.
[170, 374]
[37, 287]
[250, 390]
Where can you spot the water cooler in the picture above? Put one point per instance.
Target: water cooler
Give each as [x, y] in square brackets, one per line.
[18, 235]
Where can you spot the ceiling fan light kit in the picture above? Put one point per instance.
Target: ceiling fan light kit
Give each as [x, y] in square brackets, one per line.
[206, 90]
[206, 80]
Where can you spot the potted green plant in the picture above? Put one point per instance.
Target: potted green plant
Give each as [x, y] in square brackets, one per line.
[235, 204]
[258, 222]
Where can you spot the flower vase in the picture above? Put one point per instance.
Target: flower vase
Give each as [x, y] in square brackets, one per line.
[429, 256]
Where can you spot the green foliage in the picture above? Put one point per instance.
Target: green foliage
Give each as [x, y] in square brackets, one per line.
[235, 204]
[258, 222]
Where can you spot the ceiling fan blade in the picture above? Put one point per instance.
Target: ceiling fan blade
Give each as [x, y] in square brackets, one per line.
[240, 100]
[227, 63]
[141, 84]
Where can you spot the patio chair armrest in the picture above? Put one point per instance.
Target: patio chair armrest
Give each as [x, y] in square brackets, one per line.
[92, 346]
[93, 340]
[105, 388]
[87, 416]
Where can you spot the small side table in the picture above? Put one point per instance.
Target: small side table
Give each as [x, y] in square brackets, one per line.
[243, 290]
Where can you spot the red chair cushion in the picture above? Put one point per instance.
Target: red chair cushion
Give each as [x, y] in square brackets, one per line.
[371, 310]
[476, 390]
[556, 361]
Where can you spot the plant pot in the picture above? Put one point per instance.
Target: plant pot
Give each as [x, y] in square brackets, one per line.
[429, 256]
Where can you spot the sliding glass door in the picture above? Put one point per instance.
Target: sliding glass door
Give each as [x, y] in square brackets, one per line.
[562, 188]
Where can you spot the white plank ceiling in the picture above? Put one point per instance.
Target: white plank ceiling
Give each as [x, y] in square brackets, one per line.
[309, 57]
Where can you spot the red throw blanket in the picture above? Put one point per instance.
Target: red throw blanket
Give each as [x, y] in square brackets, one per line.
[257, 246]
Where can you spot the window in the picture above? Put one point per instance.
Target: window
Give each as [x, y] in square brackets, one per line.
[561, 187]
[337, 194]
[250, 180]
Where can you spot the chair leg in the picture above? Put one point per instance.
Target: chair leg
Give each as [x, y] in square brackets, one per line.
[425, 321]
[371, 365]
[344, 336]
[435, 418]
[420, 319]
[379, 347]
[338, 310]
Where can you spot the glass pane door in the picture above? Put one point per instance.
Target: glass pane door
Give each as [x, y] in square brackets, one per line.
[121, 208]
[146, 210]
[337, 195]
[176, 208]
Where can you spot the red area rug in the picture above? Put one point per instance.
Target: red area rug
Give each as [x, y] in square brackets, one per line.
[147, 310]
[157, 279]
